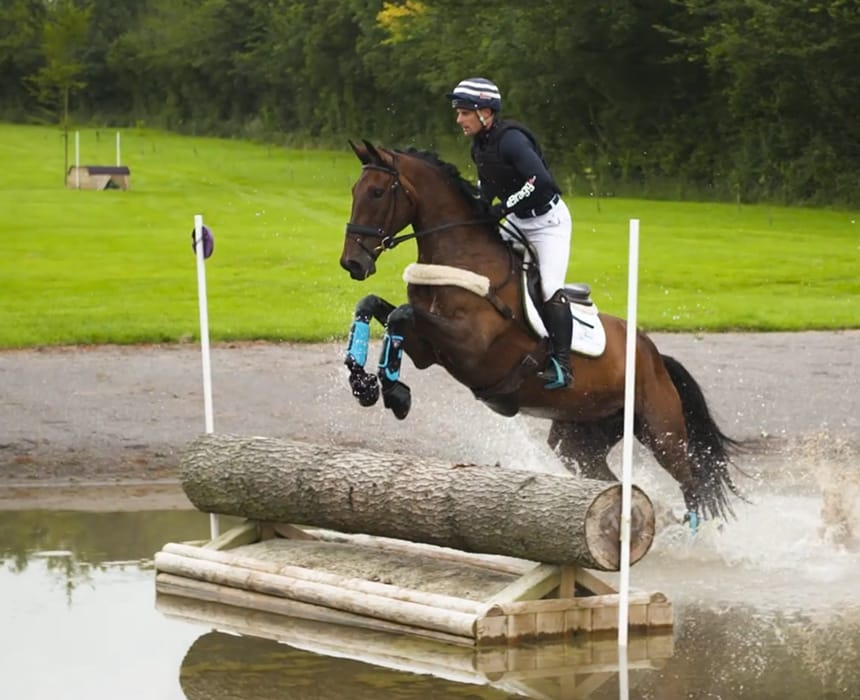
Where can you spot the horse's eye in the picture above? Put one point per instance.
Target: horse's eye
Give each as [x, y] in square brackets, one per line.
[378, 192]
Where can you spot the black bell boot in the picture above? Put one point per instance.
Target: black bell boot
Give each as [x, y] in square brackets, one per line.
[559, 324]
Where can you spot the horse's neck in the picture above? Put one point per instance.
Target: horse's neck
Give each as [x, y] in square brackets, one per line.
[469, 246]
[455, 237]
[460, 240]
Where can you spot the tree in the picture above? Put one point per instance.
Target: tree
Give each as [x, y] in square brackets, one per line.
[64, 37]
[20, 51]
[787, 75]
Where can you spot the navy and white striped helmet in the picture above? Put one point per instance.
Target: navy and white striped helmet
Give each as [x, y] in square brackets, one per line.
[476, 93]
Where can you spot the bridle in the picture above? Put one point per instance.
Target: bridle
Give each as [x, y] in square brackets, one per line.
[387, 241]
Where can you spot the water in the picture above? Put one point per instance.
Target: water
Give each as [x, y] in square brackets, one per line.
[766, 606]
[77, 605]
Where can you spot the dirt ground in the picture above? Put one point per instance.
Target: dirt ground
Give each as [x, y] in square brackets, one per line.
[103, 427]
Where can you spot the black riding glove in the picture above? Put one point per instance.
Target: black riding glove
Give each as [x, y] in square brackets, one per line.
[496, 212]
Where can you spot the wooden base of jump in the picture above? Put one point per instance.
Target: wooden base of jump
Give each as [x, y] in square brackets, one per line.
[390, 585]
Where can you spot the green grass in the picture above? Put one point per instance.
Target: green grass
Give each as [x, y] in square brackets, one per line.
[117, 267]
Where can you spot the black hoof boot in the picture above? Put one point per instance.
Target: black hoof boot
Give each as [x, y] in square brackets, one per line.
[365, 387]
[398, 397]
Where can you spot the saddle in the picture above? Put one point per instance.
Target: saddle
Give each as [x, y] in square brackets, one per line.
[589, 336]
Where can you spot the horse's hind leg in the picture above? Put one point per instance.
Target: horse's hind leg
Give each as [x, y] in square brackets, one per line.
[661, 427]
[588, 444]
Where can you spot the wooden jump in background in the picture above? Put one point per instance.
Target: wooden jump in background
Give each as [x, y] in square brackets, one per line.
[454, 552]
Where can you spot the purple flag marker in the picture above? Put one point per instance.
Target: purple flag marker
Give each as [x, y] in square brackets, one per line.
[208, 242]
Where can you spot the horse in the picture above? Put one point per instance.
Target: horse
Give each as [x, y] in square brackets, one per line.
[467, 311]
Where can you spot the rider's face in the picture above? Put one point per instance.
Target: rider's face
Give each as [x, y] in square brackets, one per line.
[469, 120]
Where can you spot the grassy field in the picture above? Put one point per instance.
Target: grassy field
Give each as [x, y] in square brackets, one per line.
[117, 267]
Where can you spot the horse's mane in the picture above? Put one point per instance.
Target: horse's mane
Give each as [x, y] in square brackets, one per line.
[469, 191]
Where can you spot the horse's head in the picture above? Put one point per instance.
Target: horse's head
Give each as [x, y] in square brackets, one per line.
[381, 208]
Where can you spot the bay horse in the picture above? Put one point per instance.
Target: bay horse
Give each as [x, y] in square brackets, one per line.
[466, 312]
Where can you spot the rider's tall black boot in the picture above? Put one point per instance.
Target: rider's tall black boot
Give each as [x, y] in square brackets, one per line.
[559, 324]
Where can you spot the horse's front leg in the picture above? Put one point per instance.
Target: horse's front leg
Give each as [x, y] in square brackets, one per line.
[365, 387]
[408, 328]
[398, 331]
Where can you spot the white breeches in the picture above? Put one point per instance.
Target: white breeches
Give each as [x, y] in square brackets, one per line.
[550, 234]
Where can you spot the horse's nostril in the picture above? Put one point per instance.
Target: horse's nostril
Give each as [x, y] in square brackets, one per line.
[354, 268]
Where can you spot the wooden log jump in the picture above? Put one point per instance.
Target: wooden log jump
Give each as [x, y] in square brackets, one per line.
[456, 553]
[555, 519]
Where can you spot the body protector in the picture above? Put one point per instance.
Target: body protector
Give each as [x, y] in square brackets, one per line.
[511, 167]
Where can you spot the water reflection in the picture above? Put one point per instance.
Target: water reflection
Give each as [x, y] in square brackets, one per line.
[77, 597]
[726, 653]
[94, 537]
[76, 605]
[324, 661]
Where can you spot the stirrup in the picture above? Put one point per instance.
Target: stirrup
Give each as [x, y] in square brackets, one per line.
[554, 376]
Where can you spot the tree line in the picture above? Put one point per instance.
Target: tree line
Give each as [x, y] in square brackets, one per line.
[753, 100]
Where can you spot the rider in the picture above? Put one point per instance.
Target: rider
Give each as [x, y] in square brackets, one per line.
[511, 167]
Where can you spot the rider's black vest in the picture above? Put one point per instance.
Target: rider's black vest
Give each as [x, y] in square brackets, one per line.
[500, 179]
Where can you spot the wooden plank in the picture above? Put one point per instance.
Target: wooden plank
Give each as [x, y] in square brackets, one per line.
[593, 583]
[532, 585]
[660, 614]
[200, 590]
[491, 629]
[556, 604]
[551, 624]
[578, 620]
[522, 626]
[246, 533]
[387, 590]
[604, 617]
[292, 532]
[637, 614]
[567, 581]
[404, 612]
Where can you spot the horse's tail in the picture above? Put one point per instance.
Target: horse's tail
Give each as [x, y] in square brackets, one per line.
[709, 447]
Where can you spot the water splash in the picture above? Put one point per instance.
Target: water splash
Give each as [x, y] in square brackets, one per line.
[775, 555]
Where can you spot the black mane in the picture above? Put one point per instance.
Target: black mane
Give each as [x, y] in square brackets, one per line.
[469, 191]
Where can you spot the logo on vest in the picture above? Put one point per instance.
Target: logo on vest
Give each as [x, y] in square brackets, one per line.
[521, 194]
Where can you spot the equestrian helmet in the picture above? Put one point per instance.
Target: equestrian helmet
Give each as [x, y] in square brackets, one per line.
[476, 93]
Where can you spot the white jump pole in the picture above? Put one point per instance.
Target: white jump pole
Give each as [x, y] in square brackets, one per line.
[77, 160]
[627, 451]
[204, 343]
[118, 159]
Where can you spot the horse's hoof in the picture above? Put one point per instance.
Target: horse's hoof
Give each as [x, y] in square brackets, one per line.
[365, 387]
[398, 397]
[692, 519]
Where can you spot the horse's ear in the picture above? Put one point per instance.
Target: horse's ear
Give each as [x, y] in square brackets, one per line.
[362, 155]
[374, 154]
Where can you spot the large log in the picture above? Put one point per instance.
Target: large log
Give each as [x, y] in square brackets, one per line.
[556, 519]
